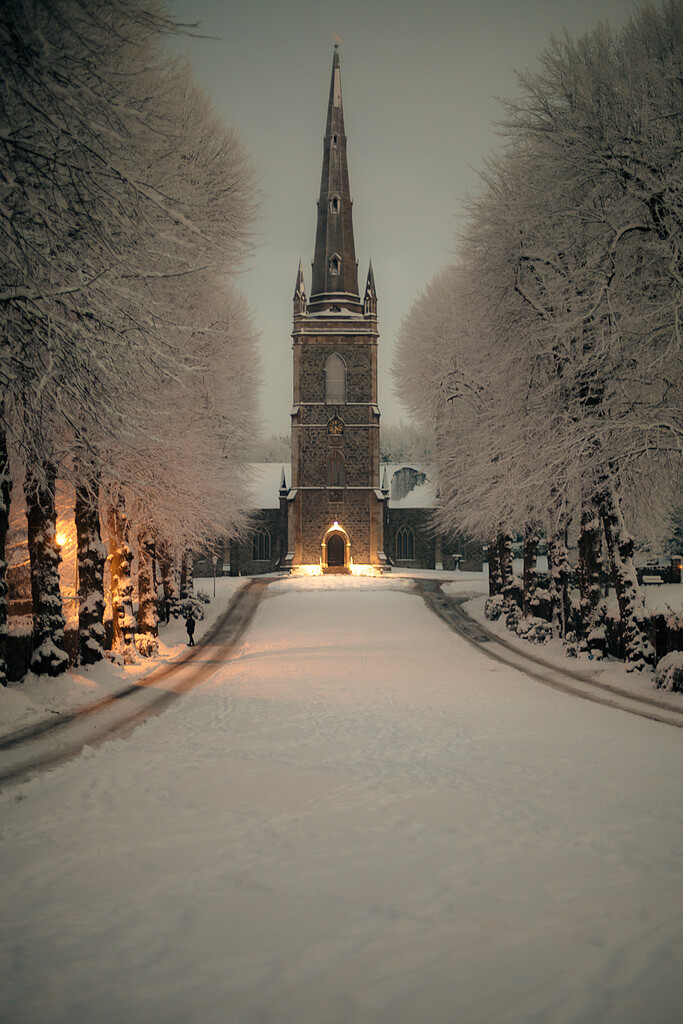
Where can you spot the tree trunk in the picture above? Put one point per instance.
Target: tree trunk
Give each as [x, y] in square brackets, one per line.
[5, 495]
[186, 576]
[169, 579]
[147, 639]
[589, 572]
[495, 579]
[121, 584]
[559, 572]
[531, 539]
[91, 556]
[49, 656]
[638, 650]
[511, 607]
[505, 556]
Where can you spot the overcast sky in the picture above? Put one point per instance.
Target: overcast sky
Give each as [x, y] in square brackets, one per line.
[420, 82]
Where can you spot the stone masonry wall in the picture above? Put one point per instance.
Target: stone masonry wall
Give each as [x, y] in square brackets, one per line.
[241, 559]
[353, 514]
[357, 353]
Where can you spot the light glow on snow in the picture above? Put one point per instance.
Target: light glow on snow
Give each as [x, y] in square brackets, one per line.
[365, 570]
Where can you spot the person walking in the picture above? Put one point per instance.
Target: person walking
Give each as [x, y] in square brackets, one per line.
[189, 626]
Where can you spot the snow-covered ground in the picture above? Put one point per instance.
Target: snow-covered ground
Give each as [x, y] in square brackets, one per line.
[359, 819]
[34, 699]
[663, 598]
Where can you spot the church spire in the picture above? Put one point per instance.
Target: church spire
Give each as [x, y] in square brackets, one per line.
[335, 271]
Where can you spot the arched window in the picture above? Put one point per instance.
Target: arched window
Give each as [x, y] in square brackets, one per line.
[334, 204]
[335, 380]
[335, 264]
[336, 470]
[405, 544]
[261, 546]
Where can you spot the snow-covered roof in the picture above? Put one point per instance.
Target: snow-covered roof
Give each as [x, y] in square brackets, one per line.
[264, 482]
[410, 485]
[400, 475]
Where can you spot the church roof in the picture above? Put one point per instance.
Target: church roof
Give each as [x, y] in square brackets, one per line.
[410, 486]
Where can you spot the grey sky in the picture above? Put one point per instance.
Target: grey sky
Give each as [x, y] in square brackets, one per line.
[420, 80]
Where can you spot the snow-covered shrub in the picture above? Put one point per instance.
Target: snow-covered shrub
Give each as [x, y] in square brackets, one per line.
[202, 596]
[596, 642]
[571, 644]
[540, 604]
[147, 645]
[669, 673]
[190, 606]
[641, 653]
[493, 609]
[534, 629]
[514, 615]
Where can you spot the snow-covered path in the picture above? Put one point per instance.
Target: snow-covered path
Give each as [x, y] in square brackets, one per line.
[359, 819]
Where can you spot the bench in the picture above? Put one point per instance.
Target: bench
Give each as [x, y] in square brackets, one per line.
[653, 581]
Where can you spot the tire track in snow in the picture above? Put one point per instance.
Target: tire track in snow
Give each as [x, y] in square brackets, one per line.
[48, 744]
[450, 610]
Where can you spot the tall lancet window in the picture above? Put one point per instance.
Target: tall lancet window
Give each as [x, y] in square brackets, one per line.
[405, 543]
[335, 380]
[336, 470]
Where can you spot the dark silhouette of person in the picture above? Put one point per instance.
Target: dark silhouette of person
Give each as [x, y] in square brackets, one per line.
[167, 610]
[189, 626]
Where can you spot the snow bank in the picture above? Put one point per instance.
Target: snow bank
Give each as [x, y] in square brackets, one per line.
[609, 671]
[37, 698]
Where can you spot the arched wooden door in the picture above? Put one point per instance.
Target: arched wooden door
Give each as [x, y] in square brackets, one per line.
[336, 549]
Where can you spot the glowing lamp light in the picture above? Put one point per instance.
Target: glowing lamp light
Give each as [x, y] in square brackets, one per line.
[307, 570]
[61, 539]
[335, 523]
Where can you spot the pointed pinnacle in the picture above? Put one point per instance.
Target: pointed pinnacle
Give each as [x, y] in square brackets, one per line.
[300, 288]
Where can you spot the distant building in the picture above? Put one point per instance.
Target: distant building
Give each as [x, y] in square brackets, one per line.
[330, 508]
[410, 541]
[336, 506]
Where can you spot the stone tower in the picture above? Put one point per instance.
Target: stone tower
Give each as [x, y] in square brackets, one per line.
[335, 502]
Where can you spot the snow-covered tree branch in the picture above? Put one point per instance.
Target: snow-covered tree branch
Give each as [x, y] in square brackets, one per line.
[563, 315]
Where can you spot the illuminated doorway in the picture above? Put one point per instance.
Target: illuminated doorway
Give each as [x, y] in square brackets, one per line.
[336, 549]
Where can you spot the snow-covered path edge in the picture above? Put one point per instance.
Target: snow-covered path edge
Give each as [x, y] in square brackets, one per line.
[36, 701]
[611, 672]
[571, 676]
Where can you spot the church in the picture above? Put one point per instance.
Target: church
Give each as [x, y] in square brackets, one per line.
[336, 508]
